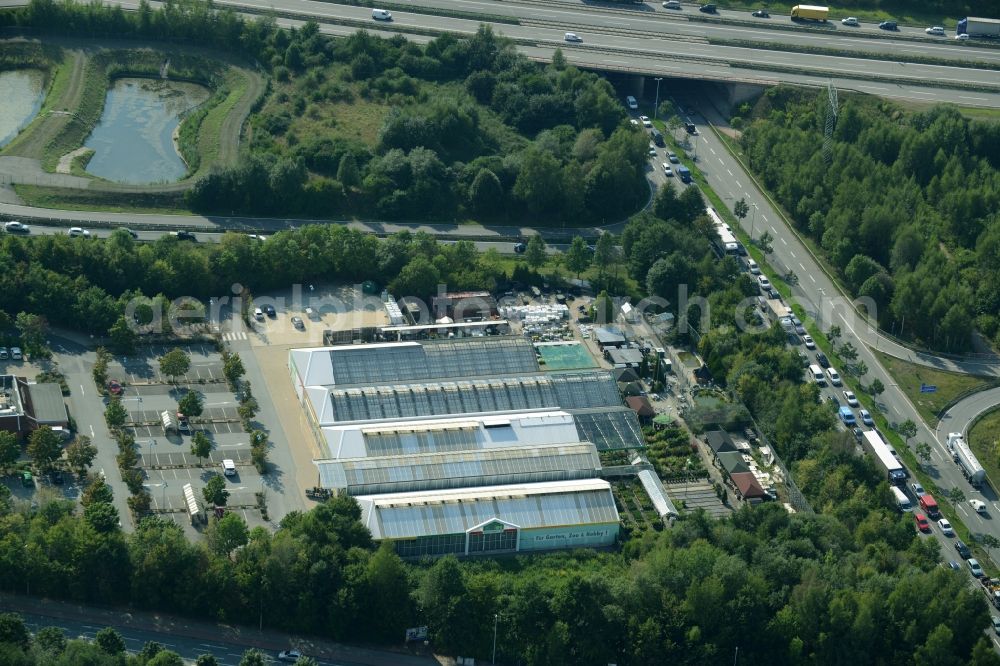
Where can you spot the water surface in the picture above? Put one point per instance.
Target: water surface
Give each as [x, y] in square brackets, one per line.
[133, 143]
[22, 92]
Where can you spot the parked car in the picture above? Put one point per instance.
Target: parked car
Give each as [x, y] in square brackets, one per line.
[633, 122]
[183, 425]
[258, 314]
[78, 232]
[672, 4]
[946, 528]
[4, 354]
[974, 567]
[962, 550]
[270, 311]
[572, 37]
[15, 353]
[763, 282]
[852, 399]
[56, 478]
[298, 323]
[631, 103]
[27, 480]
[646, 122]
[761, 13]
[858, 433]
[823, 361]
[936, 30]
[672, 156]
[866, 417]
[16, 227]
[809, 342]
[115, 387]
[921, 521]
[918, 490]
[851, 21]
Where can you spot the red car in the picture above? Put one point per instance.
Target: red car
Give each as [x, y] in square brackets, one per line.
[922, 523]
[115, 388]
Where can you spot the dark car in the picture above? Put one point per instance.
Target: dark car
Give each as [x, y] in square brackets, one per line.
[131, 233]
[805, 359]
[183, 235]
[270, 311]
[115, 387]
[888, 25]
[962, 549]
[708, 9]
[858, 434]
[773, 293]
[823, 360]
[761, 13]
[520, 248]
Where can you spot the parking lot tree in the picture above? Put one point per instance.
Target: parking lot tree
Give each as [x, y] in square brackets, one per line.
[10, 450]
[140, 502]
[102, 516]
[81, 453]
[100, 369]
[33, 329]
[115, 414]
[534, 254]
[96, 490]
[44, 447]
[232, 368]
[578, 256]
[248, 409]
[191, 404]
[110, 641]
[227, 534]
[201, 445]
[130, 475]
[123, 337]
[215, 491]
[175, 363]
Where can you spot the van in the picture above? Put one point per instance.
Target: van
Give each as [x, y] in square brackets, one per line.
[817, 374]
[847, 416]
[381, 15]
[930, 505]
[902, 501]
[657, 137]
[631, 103]
[834, 377]
[228, 467]
[672, 4]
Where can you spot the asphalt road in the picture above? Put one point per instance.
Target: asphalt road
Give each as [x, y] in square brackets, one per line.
[821, 300]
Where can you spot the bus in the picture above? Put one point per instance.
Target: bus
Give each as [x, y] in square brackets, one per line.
[725, 241]
[876, 446]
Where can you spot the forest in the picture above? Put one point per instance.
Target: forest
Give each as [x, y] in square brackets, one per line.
[454, 129]
[905, 207]
[840, 584]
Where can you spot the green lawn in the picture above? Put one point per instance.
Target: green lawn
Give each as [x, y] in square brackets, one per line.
[983, 437]
[909, 377]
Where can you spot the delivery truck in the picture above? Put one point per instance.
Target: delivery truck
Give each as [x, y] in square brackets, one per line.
[979, 27]
[966, 459]
[810, 13]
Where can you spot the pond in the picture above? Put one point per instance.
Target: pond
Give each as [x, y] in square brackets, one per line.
[134, 141]
[22, 92]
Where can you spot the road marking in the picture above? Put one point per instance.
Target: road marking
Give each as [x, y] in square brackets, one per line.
[978, 99]
[617, 62]
[721, 162]
[784, 241]
[812, 278]
[92, 436]
[773, 229]
[712, 149]
[803, 268]
[738, 185]
[82, 392]
[730, 172]
[793, 255]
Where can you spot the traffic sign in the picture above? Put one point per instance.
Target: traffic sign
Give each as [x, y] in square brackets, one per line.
[928, 388]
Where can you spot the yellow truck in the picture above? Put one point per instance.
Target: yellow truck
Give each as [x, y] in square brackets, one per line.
[810, 12]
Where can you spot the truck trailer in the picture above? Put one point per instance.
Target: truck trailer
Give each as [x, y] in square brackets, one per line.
[966, 459]
[810, 12]
[978, 27]
[873, 443]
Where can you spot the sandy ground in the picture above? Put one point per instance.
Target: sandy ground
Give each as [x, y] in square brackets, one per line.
[66, 161]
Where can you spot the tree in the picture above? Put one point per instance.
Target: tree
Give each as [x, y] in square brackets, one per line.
[665, 205]
[14, 631]
[535, 252]
[10, 451]
[175, 363]
[578, 256]
[604, 309]
[81, 453]
[215, 492]
[44, 447]
[191, 404]
[848, 351]
[100, 370]
[876, 388]
[51, 641]
[227, 534]
[201, 445]
[253, 657]
[923, 451]
[110, 641]
[834, 333]
[907, 429]
[233, 368]
[741, 209]
[248, 408]
[33, 329]
[102, 516]
[210, 660]
[605, 253]
[166, 658]
[96, 490]
[956, 495]
[123, 336]
[486, 194]
[115, 414]
[419, 279]
[764, 242]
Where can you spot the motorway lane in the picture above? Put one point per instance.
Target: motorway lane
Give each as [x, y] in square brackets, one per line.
[820, 299]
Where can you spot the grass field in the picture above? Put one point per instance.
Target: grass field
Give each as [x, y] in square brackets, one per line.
[983, 437]
[950, 385]
[115, 202]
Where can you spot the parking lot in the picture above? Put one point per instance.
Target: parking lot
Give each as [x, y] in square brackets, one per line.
[144, 367]
[214, 421]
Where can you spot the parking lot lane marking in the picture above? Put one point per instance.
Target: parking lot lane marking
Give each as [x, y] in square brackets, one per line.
[92, 435]
[82, 392]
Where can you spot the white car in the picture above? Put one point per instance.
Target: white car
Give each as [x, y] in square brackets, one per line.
[946, 528]
[667, 171]
[646, 122]
[866, 417]
[16, 227]
[764, 282]
[978, 505]
[850, 20]
[962, 37]
[633, 122]
[631, 103]
[78, 232]
[918, 490]
[809, 342]
[572, 37]
[936, 30]
[851, 399]
[15, 354]
[289, 656]
[381, 15]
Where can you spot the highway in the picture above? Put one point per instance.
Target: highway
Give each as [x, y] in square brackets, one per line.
[823, 304]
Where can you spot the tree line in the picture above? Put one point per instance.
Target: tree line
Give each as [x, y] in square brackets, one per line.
[902, 206]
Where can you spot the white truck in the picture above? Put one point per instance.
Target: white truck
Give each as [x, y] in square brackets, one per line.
[966, 459]
[979, 27]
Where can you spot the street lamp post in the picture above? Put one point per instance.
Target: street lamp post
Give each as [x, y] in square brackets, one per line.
[496, 619]
[657, 104]
[753, 220]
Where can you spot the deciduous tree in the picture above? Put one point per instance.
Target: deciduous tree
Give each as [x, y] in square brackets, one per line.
[44, 447]
[215, 491]
[175, 363]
